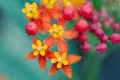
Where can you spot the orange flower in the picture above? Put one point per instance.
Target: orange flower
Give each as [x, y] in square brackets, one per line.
[43, 23]
[55, 12]
[41, 51]
[46, 15]
[61, 61]
[58, 34]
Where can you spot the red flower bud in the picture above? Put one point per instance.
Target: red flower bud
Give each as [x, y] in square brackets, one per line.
[104, 39]
[93, 27]
[86, 11]
[99, 33]
[116, 27]
[82, 38]
[101, 48]
[31, 28]
[95, 17]
[85, 47]
[115, 38]
[68, 13]
[81, 26]
[104, 13]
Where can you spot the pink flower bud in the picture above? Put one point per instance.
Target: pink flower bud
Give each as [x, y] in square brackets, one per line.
[82, 38]
[93, 27]
[116, 27]
[104, 39]
[101, 48]
[104, 14]
[86, 11]
[68, 13]
[107, 24]
[81, 26]
[85, 47]
[95, 17]
[31, 28]
[115, 38]
[99, 33]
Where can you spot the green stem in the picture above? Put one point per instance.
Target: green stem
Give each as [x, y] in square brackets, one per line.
[91, 67]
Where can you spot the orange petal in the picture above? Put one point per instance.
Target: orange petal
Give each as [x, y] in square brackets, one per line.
[61, 21]
[49, 54]
[73, 58]
[46, 26]
[70, 34]
[67, 70]
[76, 15]
[33, 40]
[42, 62]
[62, 46]
[30, 56]
[49, 41]
[53, 69]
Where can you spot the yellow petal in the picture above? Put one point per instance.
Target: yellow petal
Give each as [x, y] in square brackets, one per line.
[59, 65]
[24, 10]
[55, 35]
[60, 28]
[53, 60]
[54, 26]
[51, 31]
[42, 52]
[34, 4]
[64, 55]
[36, 53]
[52, 2]
[34, 46]
[45, 2]
[49, 6]
[39, 42]
[35, 16]
[34, 11]
[29, 15]
[60, 34]
[27, 5]
[45, 47]
[56, 54]
[65, 62]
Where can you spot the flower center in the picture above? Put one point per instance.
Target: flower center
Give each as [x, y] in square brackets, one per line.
[60, 59]
[56, 31]
[30, 8]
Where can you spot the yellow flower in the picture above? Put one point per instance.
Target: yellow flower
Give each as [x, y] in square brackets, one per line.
[56, 31]
[30, 10]
[39, 48]
[60, 59]
[49, 3]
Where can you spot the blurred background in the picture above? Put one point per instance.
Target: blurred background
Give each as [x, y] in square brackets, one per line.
[15, 44]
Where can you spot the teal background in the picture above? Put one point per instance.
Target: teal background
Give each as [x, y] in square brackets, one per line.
[15, 44]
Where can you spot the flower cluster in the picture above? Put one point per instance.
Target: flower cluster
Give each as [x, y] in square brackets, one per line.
[40, 20]
[62, 11]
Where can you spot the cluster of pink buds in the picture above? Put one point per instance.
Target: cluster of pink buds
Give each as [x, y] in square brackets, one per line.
[98, 21]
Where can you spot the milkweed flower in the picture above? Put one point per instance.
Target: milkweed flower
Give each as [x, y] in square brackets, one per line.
[57, 33]
[41, 51]
[62, 61]
[30, 10]
[46, 15]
